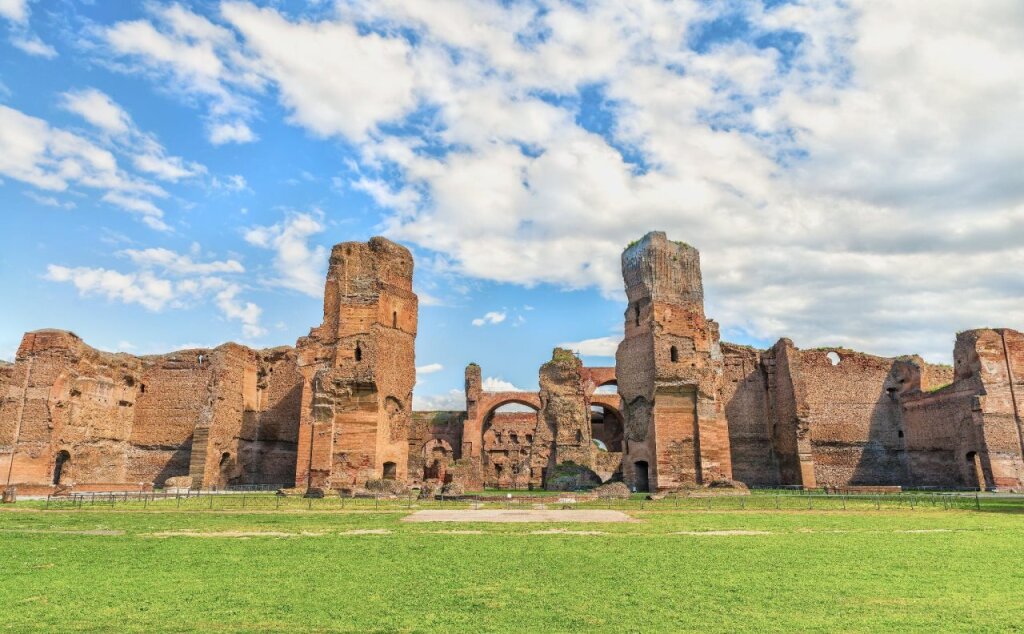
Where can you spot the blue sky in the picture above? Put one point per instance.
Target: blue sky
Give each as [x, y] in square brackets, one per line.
[174, 174]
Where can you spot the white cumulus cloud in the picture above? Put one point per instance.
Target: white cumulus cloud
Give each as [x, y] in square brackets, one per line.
[491, 317]
[300, 266]
[429, 368]
[596, 347]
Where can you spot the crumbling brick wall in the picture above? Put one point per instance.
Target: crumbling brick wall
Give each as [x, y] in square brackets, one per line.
[745, 395]
[435, 440]
[854, 422]
[968, 433]
[565, 407]
[359, 369]
[124, 420]
[669, 368]
[515, 456]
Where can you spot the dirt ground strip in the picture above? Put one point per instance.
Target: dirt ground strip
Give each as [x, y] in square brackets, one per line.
[511, 516]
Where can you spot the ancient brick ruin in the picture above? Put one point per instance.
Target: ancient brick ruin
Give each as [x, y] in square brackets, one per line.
[358, 370]
[679, 408]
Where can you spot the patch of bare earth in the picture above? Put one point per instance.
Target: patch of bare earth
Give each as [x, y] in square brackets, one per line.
[39, 531]
[511, 516]
[233, 534]
[730, 533]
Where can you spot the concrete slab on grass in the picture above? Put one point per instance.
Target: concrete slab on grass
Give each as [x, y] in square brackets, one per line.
[503, 516]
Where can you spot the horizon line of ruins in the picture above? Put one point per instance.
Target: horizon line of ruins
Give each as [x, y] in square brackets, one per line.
[335, 411]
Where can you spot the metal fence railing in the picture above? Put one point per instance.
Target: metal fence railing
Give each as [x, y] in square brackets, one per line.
[758, 501]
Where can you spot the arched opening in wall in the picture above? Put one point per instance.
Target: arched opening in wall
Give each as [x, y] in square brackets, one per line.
[437, 454]
[59, 465]
[636, 314]
[641, 476]
[977, 474]
[225, 468]
[390, 471]
[673, 354]
[142, 388]
[606, 428]
[394, 319]
[505, 458]
[833, 357]
[359, 353]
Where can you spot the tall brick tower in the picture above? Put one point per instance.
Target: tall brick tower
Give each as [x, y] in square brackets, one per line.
[669, 370]
[359, 369]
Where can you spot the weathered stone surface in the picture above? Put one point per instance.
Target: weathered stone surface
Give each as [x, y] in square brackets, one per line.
[565, 408]
[358, 369]
[613, 491]
[435, 440]
[78, 415]
[669, 368]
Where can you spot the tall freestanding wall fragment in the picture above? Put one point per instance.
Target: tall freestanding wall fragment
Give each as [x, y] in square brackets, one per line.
[669, 370]
[359, 369]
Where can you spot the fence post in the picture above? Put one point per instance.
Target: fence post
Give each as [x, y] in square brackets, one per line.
[809, 503]
[309, 504]
[376, 501]
[977, 502]
[843, 496]
[243, 499]
[878, 502]
[211, 500]
[776, 501]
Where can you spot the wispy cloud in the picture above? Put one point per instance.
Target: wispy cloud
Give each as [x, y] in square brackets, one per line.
[491, 317]
[300, 266]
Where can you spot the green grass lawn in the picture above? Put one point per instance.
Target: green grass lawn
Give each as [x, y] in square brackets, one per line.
[134, 570]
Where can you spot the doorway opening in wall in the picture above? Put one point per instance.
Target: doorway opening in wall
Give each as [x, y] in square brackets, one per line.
[974, 468]
[641, 477]
[58, 465]
[390, 471]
